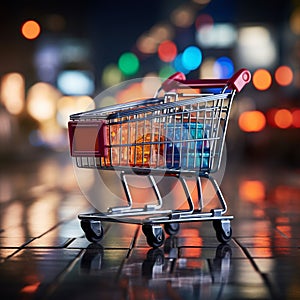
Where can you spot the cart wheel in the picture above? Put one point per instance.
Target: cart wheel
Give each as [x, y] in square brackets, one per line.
[154, 234]
[93, 230]
[223, 230]
[171, 228]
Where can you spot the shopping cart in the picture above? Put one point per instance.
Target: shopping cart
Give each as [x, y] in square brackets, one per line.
[180, 134]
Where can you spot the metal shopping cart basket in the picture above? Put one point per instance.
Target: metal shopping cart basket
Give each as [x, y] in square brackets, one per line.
[180, 134]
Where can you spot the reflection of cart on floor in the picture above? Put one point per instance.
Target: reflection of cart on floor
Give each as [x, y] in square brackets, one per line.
[180, 134]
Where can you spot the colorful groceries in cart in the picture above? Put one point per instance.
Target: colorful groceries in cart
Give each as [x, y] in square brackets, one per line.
[187, 146]
[180, 145]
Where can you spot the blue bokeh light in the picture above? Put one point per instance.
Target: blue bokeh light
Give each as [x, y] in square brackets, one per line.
[224, 67]
[191, 58]
[178, 65]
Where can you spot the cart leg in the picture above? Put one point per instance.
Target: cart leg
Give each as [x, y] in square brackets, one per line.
[127, 194]
[219, 193]
[200, 194]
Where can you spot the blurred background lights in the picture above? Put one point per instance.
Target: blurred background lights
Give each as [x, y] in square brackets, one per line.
[256, 47]
[128, 63]
[31, 29]
[207, 68]
[41, 101]
[283, 75]
[252, 121]
[183, 16]
[191, 58]
[12, 93]
[68, 105]
[76, 82]
[47, 62]
[166, 71]
[167, 51]
[178, 65]
[295, 21]
[223, 67]
[216, 35]
[161, 32]
[262, 79]
[283, 118]
[146, 44]
[204, 20]
[252, 190]
[111, 75]
[296, 118]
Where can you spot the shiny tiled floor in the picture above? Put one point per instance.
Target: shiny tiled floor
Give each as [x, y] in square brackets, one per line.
[44, 254]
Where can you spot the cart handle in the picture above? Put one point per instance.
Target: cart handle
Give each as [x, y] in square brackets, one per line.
[236, 82]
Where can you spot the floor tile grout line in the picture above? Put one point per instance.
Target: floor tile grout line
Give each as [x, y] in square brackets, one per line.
[253, 263]
[52, 286]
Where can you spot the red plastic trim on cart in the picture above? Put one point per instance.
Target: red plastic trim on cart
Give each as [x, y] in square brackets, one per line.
[237, 81]
[88, 138]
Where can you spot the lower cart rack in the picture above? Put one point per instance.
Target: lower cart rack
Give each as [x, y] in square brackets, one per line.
[180, 135]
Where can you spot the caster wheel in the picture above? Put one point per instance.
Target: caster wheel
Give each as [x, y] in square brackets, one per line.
[172, 228]
[154, 234]
[93, 230]
[223, 230]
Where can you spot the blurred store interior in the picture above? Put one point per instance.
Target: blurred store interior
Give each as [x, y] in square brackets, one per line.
[57, 56]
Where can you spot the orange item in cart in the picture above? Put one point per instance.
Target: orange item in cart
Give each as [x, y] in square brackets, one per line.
[147, 151]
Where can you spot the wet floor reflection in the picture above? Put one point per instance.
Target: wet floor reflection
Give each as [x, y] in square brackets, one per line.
[163, 273]
[44, 254]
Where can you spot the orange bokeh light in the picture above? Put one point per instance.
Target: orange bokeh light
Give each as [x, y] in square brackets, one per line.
[262, 79]
[252, 191]
[31, 30]
[252, 121]
[284, 75]
[296, 118]
[283, 118]
[167, 51]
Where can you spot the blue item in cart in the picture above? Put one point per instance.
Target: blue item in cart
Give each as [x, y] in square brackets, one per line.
[188, 146]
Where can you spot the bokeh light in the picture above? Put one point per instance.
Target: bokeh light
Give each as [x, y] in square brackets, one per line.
[221, 35]
[183, 16]
[284, 75]
[295, 21]
[68, 105]
[146, 44]
[191, 58]
[252, 191]
[167, 51]
[166, 71]
[256, 47]
[296, 118]
[12, 93]
[283, 118]
[128, 63]
[111, 75]
[252, 121]
[31, 29]
[204, 20]
[41, 101]
[178, 65]
[223, 67]
[207, 68]
[262, 79]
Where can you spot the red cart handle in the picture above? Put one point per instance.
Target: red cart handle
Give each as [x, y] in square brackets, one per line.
[237, 81]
